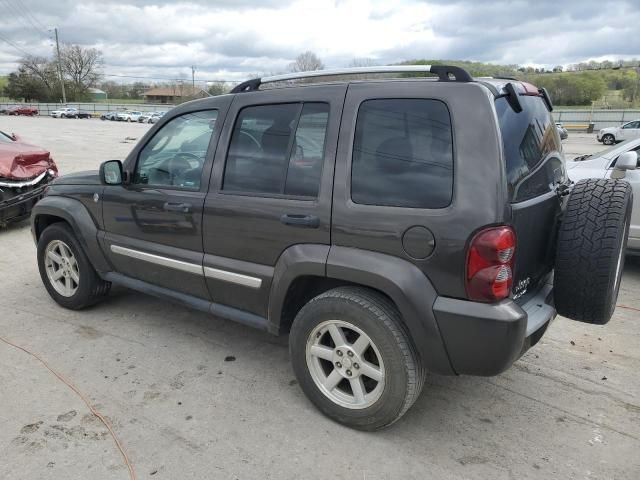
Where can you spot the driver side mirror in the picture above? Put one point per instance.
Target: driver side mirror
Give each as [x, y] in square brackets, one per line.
[111, 172]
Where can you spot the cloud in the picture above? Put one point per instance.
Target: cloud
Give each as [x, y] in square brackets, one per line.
[234, 39]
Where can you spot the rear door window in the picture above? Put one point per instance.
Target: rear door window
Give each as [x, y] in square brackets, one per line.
[277, 150]
[531, 147]
[403, 154]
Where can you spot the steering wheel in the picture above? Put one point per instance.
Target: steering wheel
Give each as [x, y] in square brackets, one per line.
[177, 173]
[252, 140]
[189, 154]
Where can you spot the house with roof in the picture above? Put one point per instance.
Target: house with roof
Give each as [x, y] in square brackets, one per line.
[173, 94]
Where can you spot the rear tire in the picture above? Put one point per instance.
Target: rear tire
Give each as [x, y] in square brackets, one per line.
[608, 139]
[590, 250]
[372, 387]
[86, 286]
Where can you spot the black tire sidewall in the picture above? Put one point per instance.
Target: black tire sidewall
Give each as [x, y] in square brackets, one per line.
[608, 136]
[616, 280]
[389, 406]
[88, 278]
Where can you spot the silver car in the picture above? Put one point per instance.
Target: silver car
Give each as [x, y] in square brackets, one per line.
[612, 135]
[614, 162]
[155, 116]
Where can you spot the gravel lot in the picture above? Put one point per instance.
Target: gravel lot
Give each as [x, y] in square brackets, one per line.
[192, 396]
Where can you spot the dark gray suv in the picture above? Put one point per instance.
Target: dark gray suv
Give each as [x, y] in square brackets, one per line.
[390, 227]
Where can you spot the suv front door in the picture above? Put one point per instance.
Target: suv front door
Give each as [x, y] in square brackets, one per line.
[153, 224]
[270, 189]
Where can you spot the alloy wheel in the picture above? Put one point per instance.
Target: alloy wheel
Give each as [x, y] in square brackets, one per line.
[62, 268]
[345, 364]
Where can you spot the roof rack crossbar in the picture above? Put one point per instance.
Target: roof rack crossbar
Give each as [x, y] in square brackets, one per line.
[445, 73]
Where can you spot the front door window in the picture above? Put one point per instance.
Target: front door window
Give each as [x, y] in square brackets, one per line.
[174, 157]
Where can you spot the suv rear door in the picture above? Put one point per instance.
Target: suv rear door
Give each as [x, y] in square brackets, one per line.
[270, 188]
[534, 168]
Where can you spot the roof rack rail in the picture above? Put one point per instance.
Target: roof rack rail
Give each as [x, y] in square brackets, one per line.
[446, 73]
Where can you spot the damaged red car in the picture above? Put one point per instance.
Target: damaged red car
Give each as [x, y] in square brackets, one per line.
[25, 171]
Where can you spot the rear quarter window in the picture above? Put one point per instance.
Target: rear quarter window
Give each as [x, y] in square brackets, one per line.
[403, 154]
[532, 148]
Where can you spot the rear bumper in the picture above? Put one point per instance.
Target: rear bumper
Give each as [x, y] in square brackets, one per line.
[485, 339]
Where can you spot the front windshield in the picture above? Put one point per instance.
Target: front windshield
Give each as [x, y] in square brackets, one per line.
[607, 151]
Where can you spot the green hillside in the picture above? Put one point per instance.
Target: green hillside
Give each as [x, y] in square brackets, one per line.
[585, 85]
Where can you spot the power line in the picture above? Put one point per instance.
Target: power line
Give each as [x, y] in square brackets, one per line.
[32, 17]
[20, 49]
[23, 19]
[167, 78]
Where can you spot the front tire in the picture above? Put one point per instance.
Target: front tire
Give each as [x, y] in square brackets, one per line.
[608, 139]
[354, 359]
[66, 271]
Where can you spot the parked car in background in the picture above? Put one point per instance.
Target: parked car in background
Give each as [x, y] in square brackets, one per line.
[151, 117]
[70, 112]
[612, 135]
[22, 110]
[25, 170]
[128, 116]
[619, 161]
[62, 112]
[109, 116]
[79, 114]
[155, 116]
[563, 132]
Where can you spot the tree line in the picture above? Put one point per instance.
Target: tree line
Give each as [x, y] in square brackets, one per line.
[38, 78]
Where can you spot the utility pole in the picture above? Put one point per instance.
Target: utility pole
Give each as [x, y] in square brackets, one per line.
[64, 95]
[635, 87]
[193, 79]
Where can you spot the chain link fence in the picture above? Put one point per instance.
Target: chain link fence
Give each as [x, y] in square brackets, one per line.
[580, 119]
[96, 109]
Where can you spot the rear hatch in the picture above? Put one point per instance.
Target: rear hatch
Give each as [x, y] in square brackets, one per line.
[535, 168]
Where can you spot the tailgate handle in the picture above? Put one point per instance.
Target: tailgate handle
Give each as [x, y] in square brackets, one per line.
[305, 221]
[177, 207]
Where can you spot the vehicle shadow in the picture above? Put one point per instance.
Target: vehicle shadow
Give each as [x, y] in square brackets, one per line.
[632, 263]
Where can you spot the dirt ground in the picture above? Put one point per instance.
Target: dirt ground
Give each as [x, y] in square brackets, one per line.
[192, 396]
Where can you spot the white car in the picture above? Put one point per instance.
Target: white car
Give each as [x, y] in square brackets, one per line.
[611, 135]
[64, 112]
[620, 161]
[128, 116]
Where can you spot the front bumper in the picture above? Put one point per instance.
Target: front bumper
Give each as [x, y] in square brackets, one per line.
[485, 339]
[20, 201]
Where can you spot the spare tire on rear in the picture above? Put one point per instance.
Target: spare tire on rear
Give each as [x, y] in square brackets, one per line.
[591, 249]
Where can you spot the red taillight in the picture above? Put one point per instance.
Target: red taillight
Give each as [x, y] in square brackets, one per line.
[490, 264]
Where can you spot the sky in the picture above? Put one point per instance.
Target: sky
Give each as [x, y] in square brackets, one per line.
[236, 39]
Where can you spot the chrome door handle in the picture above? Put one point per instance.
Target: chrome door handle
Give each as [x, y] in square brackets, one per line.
[177, 207]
